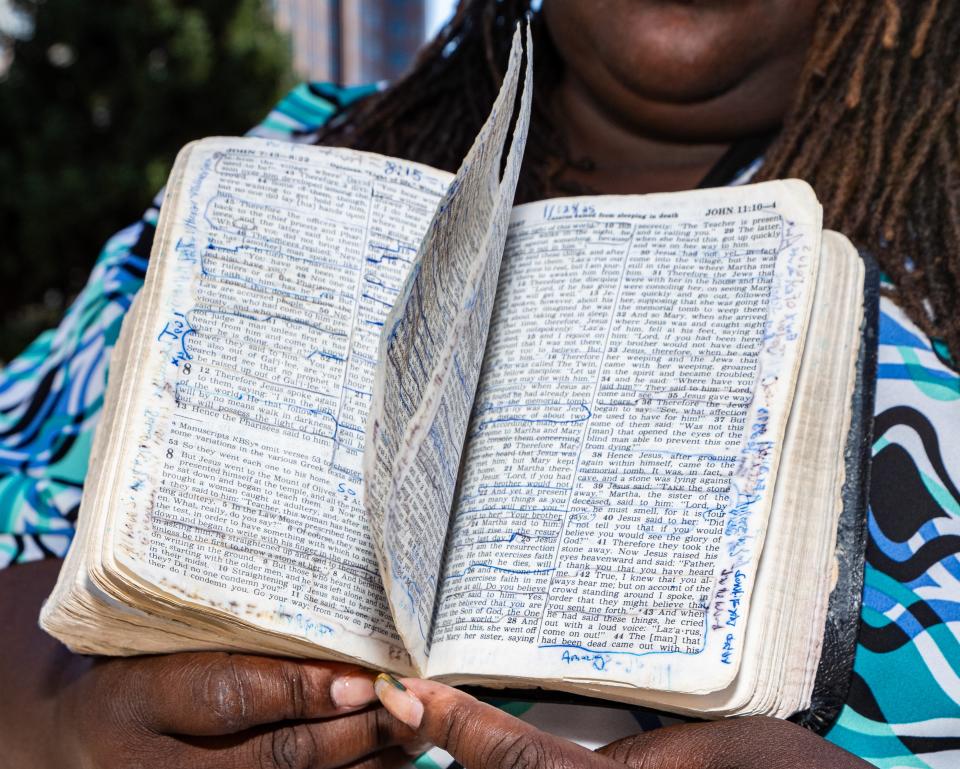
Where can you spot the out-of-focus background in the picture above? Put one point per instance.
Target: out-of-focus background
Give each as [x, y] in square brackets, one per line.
[97, 96]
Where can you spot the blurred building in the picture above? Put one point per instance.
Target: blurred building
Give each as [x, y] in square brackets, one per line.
[314, 36]
[355, 41]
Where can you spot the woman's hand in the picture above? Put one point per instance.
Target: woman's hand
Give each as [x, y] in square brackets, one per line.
[183, 711]
[224, 710]
[481, 737]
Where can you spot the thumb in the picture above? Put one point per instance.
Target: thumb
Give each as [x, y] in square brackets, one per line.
[476, 734]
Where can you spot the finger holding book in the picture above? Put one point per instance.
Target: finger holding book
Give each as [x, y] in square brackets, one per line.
[483, 737]
[217, 693]
[222, 710]
[476, 734]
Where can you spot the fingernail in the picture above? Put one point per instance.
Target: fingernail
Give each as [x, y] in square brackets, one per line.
[352, 691]
[399, 700]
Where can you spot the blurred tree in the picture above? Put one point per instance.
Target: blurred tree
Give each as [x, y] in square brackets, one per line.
[93, 109]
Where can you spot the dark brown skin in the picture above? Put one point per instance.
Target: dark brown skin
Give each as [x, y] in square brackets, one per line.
[653, 91]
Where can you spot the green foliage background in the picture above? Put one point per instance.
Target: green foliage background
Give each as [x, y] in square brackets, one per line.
[92, 112]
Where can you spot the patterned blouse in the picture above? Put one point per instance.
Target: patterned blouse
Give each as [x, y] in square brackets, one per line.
[903, 709]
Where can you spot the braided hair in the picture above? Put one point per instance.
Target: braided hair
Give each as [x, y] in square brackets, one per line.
[874, 127]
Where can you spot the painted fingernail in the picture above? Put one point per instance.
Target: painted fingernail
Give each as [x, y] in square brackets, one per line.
[352, 691]
[399, 700]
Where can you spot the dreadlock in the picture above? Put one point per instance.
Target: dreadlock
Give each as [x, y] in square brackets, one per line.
[874, 127]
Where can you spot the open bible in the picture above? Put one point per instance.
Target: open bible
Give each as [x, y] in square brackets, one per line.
[368, 410]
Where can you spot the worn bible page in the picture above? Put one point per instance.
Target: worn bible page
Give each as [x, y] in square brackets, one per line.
[781, 652]
[240, 484]
[430, 357]
[627, 428]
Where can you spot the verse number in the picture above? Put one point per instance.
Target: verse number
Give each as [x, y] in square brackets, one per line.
[397, 169]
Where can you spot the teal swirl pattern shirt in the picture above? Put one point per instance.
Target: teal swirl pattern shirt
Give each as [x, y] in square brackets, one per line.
[904, 705]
